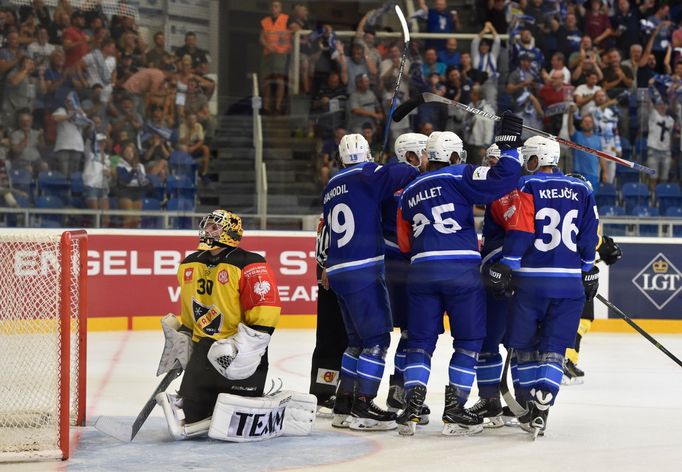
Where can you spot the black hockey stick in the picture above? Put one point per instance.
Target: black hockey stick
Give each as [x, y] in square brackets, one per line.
[433, 98]
[509, 398]
[637, 328]
[127, 432]
[394, 100]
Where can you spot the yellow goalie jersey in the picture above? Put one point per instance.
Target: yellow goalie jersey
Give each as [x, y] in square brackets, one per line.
[218, 292]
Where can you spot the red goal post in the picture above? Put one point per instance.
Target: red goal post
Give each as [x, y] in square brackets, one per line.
[43, 340]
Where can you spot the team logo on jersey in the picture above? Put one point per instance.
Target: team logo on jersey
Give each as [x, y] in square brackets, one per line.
[261, 288]
[223, 277]
[207, 318]
[659, 281]
[327, 377]
[188, 274]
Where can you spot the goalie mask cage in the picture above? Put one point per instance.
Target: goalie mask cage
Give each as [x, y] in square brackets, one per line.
[42, 341]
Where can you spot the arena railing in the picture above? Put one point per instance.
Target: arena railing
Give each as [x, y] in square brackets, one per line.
[30, 217]
[260, 167]
[296, 50]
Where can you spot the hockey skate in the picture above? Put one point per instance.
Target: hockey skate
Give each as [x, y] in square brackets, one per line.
[396, 402]
[572, 374]
[490, 411]
[341, 410]
[325, 409]
[458, 420]
[411, 415]
[365, 415]
[535, 420]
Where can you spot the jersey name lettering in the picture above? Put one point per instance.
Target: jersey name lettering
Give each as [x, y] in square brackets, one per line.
[559, 193]
[424, 195]
[335, 192]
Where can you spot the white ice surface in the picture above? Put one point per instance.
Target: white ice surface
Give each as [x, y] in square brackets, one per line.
[626, 417]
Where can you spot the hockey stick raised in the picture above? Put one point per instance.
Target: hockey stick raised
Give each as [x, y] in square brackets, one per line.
[394, 100]
[509, 398]
[433, 98]
[127, 432]
[637, 328]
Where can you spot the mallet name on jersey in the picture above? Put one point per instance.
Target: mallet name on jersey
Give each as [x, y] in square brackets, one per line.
[559, 193]
[424, 195]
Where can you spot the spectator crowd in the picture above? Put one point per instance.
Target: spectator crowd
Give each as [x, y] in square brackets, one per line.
[84, 97]
[604, 73]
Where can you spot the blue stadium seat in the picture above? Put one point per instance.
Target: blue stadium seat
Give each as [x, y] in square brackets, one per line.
[635, 195]
[614, 211]
[626, 147]
[54, 184]
[625, 175]
[158, 190]
[76, 184]
[640, 150]
[21, 180]
[668, 195]
[182, 164]
[606, 195]
[181, 204]
[47, 220]
[180, 186]
[148, 222]
[646, 211]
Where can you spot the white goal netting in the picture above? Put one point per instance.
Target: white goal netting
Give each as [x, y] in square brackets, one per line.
[41, 353]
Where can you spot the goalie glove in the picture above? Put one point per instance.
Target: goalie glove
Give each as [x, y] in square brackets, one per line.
[591, 283]
[238, 357]
[498, 279]
[609, 251]
[177, 348]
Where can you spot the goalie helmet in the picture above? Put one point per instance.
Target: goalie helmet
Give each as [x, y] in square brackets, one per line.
[546, 150]
[227, 233]
[493, 151]
[441, 145]
[410, 142]
[354, 149]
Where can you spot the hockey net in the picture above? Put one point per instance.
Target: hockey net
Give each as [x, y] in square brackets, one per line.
[42, 342]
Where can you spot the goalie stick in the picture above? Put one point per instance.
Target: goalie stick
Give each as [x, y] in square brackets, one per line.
[427, 97]
[394, 100]
[127, 432]
[637, 328]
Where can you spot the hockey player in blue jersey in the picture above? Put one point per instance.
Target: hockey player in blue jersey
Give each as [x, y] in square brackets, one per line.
[436, 226]
[411, 149]
[549, 252]
[355, 271]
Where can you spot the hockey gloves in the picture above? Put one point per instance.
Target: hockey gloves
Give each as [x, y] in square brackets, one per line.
[509, 131]
[498, 280]
[591, 283]
[609, 251]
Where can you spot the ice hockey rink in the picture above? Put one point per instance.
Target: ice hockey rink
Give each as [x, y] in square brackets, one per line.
[627, 416]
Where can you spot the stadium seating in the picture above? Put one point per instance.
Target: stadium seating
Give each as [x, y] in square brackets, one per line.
[625, 175]
[151, 204]
[614, 211]
[181, 204]
[646, 211]
[52, 202]
[180, 186]
[21, 180]
[675, 213]
[668, 195]
[634, 195]
[53, 183]
[158, 190]
[182, 164]
[606, 195]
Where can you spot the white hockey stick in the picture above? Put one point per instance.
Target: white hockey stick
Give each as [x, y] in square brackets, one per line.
[126, 432]
[509, 398]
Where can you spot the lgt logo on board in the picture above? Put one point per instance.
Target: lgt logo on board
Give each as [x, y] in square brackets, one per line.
[659, 281]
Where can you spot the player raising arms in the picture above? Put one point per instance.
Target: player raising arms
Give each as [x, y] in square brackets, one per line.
[436, 226]
[550, 249]
[229, 310]
[355, 272]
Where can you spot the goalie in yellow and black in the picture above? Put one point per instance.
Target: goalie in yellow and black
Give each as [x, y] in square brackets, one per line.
[229, 309]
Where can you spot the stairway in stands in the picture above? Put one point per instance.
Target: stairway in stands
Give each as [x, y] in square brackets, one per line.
[290, 168]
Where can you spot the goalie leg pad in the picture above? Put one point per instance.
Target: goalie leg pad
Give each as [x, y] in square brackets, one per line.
[245, 419]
